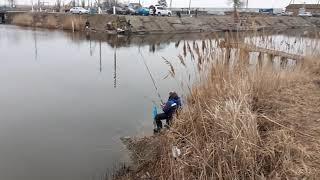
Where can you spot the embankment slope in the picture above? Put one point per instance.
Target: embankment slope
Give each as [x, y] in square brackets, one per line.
[240, 124]
[155, 24]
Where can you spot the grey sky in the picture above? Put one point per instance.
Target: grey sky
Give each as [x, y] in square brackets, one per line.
[199, 3]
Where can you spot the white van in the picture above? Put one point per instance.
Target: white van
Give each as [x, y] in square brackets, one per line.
[79, 10]
[160, 11]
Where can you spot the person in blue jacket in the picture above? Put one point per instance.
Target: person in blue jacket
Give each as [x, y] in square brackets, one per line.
[169, 109]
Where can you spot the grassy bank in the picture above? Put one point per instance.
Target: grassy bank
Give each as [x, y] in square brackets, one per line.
[64, 21]
[240, 122]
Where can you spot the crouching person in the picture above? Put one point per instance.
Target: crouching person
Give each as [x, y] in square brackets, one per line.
[169, 109]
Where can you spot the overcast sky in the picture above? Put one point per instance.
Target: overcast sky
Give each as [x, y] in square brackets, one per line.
[197, 3]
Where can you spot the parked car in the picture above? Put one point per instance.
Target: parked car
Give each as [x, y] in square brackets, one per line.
[160, 11]
[143, 11]
[93, 10]
[316, 14]
[269, 11]
[286, 13]
[119, 10]
[133, 7]
[79, 10]
[305, 14]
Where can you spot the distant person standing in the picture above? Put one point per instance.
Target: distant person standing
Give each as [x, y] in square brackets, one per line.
[154, 10]
[179, 14]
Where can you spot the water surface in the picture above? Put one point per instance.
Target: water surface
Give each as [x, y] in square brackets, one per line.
[66, 99]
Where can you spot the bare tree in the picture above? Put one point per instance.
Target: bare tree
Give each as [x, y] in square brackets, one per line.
[58, 5]
[83, 3]
[12, 3]
[236, 4]
[109, 3]
[163, 3]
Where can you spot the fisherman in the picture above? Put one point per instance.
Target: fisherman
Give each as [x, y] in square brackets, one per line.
[169, 109]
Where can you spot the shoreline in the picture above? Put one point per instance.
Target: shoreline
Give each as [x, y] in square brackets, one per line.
[263, 123]
[144, 25]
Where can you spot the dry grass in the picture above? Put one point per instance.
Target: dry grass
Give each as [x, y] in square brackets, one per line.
[240, 123]
[22, 20]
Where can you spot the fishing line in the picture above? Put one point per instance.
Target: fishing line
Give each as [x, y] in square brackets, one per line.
[153, 81]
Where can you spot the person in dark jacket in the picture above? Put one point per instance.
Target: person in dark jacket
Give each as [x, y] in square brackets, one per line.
[179, 14]
[169, 109]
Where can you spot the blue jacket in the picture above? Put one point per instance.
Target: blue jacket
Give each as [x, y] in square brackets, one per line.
[177, 100]
[171, 106]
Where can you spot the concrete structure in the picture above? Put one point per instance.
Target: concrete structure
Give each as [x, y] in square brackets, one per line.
[313, 8]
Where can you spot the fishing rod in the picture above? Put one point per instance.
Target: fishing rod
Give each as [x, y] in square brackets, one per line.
[154, 109]
[153, 81]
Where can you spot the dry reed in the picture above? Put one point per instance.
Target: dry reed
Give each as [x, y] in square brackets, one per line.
[240, 123]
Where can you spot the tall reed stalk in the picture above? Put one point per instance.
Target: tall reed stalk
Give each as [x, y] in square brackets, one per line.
[241, 121]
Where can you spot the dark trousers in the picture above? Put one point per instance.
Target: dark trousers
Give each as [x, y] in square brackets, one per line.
[162, 116]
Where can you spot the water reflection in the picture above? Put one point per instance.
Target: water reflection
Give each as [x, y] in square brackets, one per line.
[100, 63]
[162, 41]
[115, 68]
[155, 42]
[58, 112]
[35, 45]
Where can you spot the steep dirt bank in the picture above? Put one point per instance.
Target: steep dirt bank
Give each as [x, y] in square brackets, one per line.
[155, 25]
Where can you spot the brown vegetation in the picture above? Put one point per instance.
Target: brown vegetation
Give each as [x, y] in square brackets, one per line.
[22, 20]
[239, 123]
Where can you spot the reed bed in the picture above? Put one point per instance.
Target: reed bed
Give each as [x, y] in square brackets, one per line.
[240, 121]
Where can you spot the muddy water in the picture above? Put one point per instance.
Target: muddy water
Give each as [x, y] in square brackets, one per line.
[66, 99]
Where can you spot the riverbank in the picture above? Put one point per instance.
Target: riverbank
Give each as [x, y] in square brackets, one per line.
[239, 123]
[156, 25]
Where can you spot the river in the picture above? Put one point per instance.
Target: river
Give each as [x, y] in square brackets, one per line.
[67, 98]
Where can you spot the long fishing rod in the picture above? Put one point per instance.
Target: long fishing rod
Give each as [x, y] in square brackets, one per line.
[153, 81]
